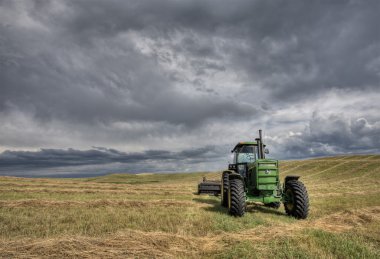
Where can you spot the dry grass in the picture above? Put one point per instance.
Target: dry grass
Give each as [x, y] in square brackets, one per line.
[151, 215]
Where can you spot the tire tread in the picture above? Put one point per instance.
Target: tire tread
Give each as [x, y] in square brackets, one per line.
[301, 200]
[238, 203]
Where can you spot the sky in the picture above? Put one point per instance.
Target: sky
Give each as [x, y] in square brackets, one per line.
[93, 87]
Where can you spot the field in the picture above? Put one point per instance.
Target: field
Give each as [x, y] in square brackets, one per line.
[159, 215]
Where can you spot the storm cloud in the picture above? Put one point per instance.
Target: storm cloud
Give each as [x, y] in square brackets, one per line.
[100, 160]
[181, 76]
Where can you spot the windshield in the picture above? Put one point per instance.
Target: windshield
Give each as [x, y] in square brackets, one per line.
[246, 154]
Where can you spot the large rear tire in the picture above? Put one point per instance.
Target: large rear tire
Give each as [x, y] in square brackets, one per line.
[236, 197]
[296, 199]
[224, 198]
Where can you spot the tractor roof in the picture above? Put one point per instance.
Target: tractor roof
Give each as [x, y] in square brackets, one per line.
[245, 143]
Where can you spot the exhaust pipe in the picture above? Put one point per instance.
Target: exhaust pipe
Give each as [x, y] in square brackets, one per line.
[260, 145]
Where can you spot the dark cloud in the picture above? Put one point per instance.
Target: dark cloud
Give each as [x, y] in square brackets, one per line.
[331, 135]
[296, 49]
[300, 50]
[178, 75]
[100, 157]
[62, 78]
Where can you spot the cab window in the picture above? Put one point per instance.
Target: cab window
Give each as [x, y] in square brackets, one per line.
[246, 154]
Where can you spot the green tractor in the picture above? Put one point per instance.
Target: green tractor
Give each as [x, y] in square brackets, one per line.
[253, 178]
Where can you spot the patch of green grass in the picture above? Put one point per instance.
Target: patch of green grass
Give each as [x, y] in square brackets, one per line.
[224, 222]
[343, 245]
[330, 204]
[370, 235]
[275, 248]
[312, 244]
[288, 247]
[243, 249]
[96, 221]
[221, 221]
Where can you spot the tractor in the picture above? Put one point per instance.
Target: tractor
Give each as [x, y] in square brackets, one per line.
[252, 178]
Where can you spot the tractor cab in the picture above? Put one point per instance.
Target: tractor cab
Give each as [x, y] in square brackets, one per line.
[245, 153]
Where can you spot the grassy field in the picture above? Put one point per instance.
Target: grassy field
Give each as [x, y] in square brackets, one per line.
[159, 215]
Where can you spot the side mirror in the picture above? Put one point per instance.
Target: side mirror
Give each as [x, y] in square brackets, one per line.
[266, 151]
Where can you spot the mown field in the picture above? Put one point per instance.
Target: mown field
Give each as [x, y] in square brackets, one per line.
[161, 216]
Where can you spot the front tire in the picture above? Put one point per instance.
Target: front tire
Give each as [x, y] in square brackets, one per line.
[236, 197]
[296, 199]
[224, 198]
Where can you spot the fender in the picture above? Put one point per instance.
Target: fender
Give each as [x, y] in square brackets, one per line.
[228, 172]
[288, 178]
[291, 177]
[234, 175]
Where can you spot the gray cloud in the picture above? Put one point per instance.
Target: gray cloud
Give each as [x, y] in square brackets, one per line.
[331, 135]
[99, 155]
[175, 76]
[89, 162]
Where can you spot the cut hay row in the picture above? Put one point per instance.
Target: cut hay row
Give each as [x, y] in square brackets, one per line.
[349, 169]
[71, 191]
[95, 203]
[336, 194]
[90, 187]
